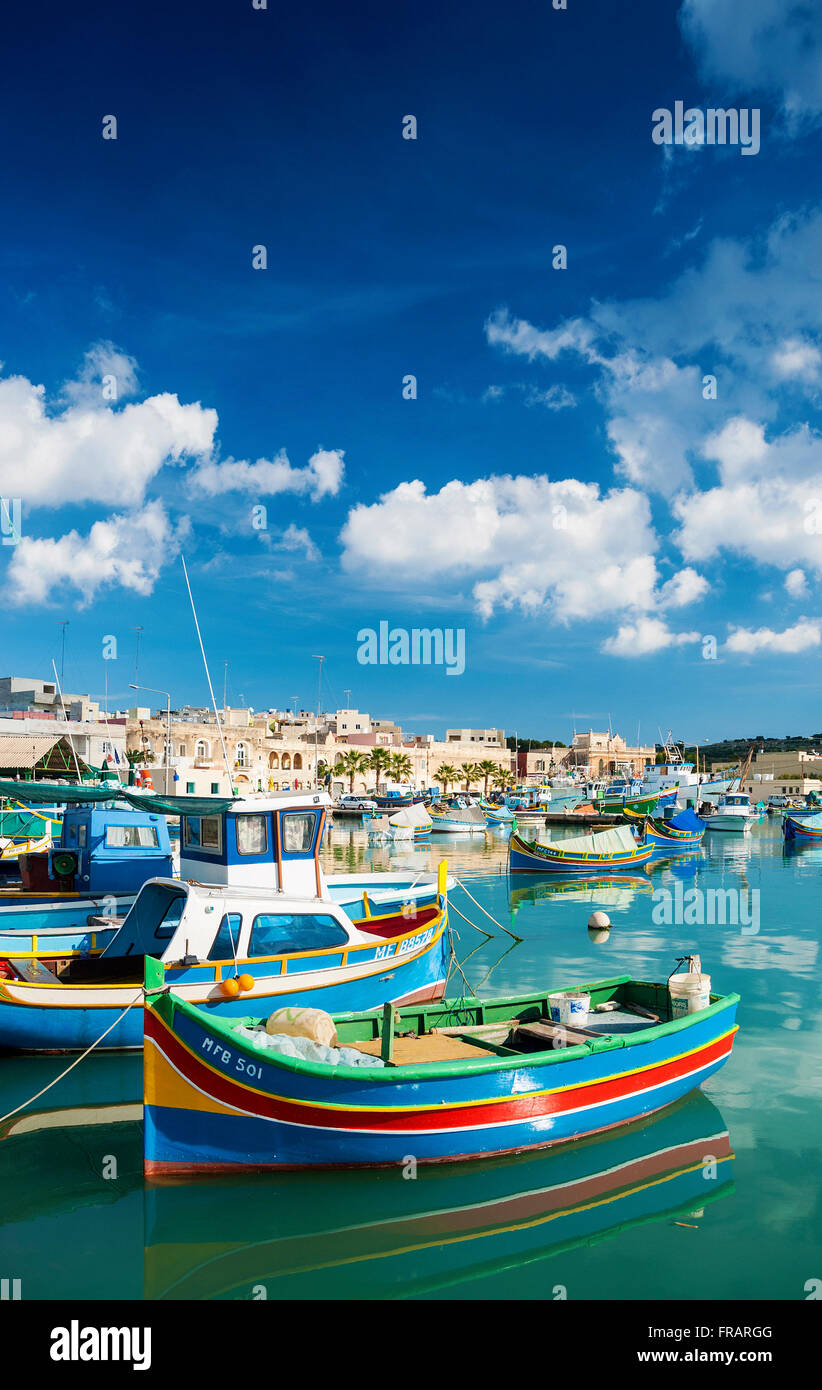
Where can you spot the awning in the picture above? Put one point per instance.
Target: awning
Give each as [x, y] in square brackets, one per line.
[51, 793]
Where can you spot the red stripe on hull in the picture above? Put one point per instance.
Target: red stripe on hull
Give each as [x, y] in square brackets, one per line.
[440, 1119]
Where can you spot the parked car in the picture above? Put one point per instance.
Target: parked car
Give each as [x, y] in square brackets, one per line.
[356, 803]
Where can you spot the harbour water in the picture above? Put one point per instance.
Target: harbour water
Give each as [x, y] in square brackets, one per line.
[711, 1199]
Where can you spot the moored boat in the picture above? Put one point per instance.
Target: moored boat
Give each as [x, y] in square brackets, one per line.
[808, 827]
[605, 852]
[223, 948]
[464, 1079]
[733, 812]
[682, 832]
[459, 818]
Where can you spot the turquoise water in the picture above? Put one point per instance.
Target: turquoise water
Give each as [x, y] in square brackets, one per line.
[633, 1214]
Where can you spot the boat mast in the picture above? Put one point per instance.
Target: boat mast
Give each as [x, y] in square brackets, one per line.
[208, 677]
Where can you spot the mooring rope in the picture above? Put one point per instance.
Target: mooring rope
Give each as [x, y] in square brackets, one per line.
[507, 930]
[76, 1061]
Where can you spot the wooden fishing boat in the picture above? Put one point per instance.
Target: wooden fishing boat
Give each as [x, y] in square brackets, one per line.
[682, 832]
[463, 1079]
[458, 818]
[644, 805]
[223, 948]
[606, 852]
[802, 827]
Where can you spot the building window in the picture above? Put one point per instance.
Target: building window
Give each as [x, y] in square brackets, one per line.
[203, 749]
[242, 755]
[181, 750]
[298, 761]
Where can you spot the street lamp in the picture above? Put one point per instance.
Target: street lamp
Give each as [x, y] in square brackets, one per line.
[151, 691]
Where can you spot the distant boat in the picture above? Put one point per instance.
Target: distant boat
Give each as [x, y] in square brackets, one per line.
[682, 832]
[458, 818]
[806, 827]
[644, 805]
[606, 852]
[733, 812]
[467, 1079]
[411, 823]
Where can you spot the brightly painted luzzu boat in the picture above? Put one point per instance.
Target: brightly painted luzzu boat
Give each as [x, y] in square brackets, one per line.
[607, 852]
[645, 805]
[464, 1079]
[223, 948]
[682, 832]
[802, 827]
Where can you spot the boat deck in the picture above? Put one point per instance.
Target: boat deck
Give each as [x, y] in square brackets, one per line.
[507, 1038]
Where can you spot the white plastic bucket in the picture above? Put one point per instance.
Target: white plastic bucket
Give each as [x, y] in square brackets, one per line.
[689, 993]
[574, 1009]
[553, 1005]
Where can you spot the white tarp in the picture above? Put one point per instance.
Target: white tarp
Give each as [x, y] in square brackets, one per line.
[413, 816]
[465, 815]
[612, 841]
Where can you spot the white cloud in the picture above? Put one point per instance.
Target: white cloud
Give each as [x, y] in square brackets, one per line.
[645, 636]
[297, 538]
[796, 584]
[521, 542]
[762, 45]
[768, 504]
[107, 375]
[748, 315]
[90, 452]
[128, 550]
[799, 638]
[321, 477]
[795, 359]
[685, 587]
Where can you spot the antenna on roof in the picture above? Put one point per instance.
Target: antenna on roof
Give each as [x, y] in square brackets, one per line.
[208, 676]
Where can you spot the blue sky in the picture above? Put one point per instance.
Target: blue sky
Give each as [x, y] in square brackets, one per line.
[613, 543]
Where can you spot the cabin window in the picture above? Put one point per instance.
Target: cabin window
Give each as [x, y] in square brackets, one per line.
[189, 787]
[170, 920]
[252, 834]
[131, 837]
[81, 837]
[204, 832]
[215, 788]
[298, 831]
[305, 931]
[227, 939]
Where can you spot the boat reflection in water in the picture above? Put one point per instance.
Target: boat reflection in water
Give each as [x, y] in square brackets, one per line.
[615, 892]
[376, 1234]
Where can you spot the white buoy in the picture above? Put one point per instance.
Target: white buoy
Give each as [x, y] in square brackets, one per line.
[599, 921]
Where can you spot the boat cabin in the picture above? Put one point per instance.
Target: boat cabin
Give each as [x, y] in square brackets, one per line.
[191, 924]
[101, 851]
[270, 841]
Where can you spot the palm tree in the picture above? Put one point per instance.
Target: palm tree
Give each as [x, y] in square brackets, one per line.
[470, 772]
[350, 764]
[445, 775]
[503, 779]
[486, 769]
[400, 767]
[378, 761]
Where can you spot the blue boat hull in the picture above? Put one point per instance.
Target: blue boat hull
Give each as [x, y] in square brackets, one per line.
[66, 1028]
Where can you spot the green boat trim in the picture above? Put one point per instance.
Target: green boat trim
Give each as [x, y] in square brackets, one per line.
[368, 1026]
